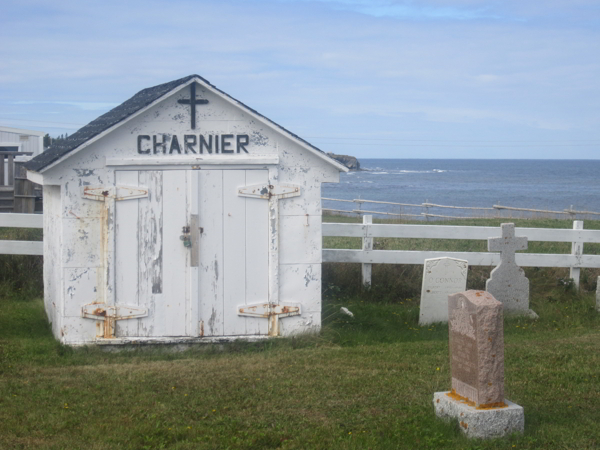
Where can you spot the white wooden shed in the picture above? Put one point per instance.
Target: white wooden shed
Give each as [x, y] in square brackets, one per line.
[182, 215]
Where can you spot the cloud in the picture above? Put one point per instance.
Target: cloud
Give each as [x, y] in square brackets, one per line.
[436, 67]
[408, 9]
[85, 106]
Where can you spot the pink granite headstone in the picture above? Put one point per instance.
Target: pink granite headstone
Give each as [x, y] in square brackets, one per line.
[475, 323]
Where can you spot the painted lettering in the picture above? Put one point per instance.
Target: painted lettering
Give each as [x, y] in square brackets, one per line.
[174, 145]
[204, 143]
[189, 142]
[164, 143]
[225, 144]
[241, 141]
[157, 145]
[143, 137]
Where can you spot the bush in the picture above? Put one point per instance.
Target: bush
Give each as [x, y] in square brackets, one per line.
[21, 274]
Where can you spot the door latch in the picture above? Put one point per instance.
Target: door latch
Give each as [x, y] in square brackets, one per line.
[185, 237]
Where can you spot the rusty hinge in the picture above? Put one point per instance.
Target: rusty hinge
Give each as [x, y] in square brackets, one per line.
[268, 310]
[110, 314]
[271, 311]
[114, 192]
[268, 191]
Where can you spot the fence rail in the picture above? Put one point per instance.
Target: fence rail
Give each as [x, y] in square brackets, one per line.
[426, 207]
[21, 247]
[367, 256]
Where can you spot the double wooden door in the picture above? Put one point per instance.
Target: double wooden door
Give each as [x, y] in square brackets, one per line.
[191, 291]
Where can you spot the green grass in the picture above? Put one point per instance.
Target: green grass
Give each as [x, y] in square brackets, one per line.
[364, 382]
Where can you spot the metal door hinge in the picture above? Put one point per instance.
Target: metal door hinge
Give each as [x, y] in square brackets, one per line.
[268, 191]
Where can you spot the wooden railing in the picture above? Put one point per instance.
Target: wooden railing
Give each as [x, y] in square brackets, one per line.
[367, 256]
[7, 167]
[17, 193]
[21, 247]
[426, 209]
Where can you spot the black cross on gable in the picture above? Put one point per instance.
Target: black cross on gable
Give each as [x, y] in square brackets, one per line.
[193, 101]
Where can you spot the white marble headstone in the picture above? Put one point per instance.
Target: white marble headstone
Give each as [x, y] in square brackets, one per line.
[507, 282]
[441, 278]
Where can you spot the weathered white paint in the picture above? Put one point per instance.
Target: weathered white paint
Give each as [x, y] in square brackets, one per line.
[577, 250]
[198, 162]
[367, 245]
[228, 115]
[131, 255]
[53, 276]
[35, 177]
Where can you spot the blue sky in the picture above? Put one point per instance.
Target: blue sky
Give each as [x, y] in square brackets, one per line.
[371, 78]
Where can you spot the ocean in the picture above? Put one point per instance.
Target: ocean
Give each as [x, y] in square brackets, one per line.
[553, 185]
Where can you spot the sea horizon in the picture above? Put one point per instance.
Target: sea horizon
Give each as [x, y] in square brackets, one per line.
[548, 184]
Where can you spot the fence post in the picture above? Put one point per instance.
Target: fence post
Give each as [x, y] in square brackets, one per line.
[359, 203]
[367, 244]
[24, 192]
[577, 250]
[598, 294]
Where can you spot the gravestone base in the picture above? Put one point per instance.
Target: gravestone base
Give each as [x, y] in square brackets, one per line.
[480, 423]
[529, 313]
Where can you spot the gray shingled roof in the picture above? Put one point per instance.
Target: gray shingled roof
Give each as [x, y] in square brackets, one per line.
[122, 112]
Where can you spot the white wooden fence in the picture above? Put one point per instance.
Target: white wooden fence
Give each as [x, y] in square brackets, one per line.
[21, 247]
[367, 256]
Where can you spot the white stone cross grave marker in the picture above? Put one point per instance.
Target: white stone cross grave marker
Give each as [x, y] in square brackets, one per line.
[507, 282]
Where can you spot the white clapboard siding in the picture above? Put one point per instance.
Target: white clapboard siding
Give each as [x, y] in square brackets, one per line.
[474, 258]
[456, 232]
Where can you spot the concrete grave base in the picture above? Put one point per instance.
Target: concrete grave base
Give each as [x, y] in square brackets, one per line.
[480, 423]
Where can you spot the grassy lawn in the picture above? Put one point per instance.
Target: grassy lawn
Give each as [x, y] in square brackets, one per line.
[363, 383]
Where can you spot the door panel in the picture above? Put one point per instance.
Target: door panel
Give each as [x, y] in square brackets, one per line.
[126, 253]
[151, 261]
[233, 252]
[172, 313]
[210, 273]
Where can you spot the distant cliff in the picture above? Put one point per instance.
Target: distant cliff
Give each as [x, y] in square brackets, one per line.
[349, 161]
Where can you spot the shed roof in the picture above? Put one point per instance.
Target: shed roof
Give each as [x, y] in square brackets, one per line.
[136, 103]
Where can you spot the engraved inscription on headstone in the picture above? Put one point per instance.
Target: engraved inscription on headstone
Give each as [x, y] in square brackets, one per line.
[477, 347]
[441, 277]
[507, 282]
